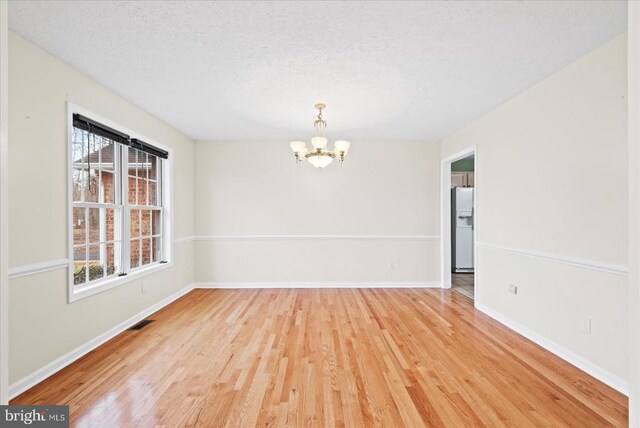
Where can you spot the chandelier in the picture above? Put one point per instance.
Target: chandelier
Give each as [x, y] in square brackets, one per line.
[320, 156]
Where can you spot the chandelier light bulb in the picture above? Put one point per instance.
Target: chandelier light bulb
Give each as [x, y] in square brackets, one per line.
[320, 161]
[298, 146]
[319, 143]
[342, 146]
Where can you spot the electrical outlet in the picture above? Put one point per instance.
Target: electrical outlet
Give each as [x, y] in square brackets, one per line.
[586, 326]
[244, 266]
[392, 266]
[513, 289]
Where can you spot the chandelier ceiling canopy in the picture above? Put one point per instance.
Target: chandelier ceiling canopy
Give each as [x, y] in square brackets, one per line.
[320, 157]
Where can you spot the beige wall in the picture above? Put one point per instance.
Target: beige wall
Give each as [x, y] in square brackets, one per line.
[386, 194]
[552, 180]
[633, 50]
[43, 326]
[4, 240]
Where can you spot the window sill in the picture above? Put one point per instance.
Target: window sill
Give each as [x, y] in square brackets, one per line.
[108, 284]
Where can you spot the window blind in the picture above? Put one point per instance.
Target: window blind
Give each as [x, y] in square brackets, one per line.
[90, 125]
[148, 148]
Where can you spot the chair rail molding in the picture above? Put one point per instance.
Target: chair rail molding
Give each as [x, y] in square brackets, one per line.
[184, 240]
[557, 258]
[40, 267]
[316, 237]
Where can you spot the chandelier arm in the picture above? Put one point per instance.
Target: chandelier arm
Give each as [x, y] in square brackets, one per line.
[323, 153]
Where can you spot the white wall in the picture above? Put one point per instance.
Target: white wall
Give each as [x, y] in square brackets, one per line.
[552, 182]
[385, 198]
[633, 50]
[43, 326]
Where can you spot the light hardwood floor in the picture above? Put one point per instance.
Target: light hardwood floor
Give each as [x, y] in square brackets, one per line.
[463, 283]
[351, 357]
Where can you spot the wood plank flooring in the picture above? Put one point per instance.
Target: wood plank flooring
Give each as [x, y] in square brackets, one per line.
[463, 283]
[326, 357]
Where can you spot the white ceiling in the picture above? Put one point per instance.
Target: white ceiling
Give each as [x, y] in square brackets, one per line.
[253, 70]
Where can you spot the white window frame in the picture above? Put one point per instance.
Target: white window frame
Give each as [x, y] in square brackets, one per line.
[166, 189]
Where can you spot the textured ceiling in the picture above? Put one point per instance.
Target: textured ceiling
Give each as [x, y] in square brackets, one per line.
[253, 70]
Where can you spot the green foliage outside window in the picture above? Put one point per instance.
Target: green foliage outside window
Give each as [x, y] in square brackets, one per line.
[95, 272]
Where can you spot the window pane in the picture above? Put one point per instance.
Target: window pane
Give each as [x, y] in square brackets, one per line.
[96, 262]
[91, 190]
[156, 249]
[142, 191]
[79, 145]
[78, 177]
[134, 259]
[112, 258]
[79, 226]
[146, 222]
[107, 187]
[153, 196]
[96, 220]
[79, 153]
[156, 222]
[135, 223]
[107, 152]
[153, 167]
[146, 251]
[132, 159]
[111, 219]
[142, 164]
[102, 224]
[79, 264]
[132, 191]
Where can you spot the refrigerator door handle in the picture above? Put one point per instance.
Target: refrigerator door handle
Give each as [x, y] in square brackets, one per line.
[473, 218]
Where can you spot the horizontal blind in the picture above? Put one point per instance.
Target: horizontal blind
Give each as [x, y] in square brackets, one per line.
[90, 125]
[148, 148]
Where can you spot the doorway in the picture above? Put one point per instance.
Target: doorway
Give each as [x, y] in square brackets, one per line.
[459, 220]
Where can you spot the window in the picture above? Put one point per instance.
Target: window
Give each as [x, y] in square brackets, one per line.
[144, 209]
[118, 206]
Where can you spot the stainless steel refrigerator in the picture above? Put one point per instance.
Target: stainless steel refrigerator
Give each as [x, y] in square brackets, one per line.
[462, 229]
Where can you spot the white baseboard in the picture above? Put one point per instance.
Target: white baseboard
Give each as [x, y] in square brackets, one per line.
[239, 285]
[586, 366]
[58, 364]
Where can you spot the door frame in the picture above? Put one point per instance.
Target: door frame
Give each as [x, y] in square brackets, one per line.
[445, 216]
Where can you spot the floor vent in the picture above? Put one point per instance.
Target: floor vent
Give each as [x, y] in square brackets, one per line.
[142, 324]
